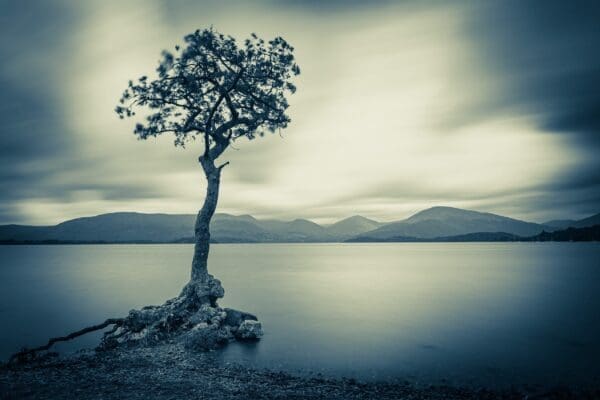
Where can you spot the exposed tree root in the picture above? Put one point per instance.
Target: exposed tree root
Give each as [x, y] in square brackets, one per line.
[28, 354]
[194, 318]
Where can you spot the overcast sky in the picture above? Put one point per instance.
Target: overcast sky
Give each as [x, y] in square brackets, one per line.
[492, 106]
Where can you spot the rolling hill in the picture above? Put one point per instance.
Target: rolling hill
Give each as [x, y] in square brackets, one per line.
[557, 224]
[587, 222]
[448, 221]
[126, 227]
[570, 223]
[433, 224]
[352, 226]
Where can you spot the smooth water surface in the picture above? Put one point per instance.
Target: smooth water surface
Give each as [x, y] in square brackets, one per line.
[476, 313]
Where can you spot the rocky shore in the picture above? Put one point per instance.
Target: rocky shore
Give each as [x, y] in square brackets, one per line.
[170, 371]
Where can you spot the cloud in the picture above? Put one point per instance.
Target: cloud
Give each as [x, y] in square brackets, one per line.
[546, 54]
[400, 106]
[33, 144]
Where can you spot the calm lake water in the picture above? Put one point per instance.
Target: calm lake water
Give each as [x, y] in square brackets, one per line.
[491, 314]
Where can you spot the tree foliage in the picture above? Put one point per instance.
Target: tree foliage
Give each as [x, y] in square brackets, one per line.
[216, 89]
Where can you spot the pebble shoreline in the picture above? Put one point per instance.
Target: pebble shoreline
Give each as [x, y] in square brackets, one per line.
[171, 372]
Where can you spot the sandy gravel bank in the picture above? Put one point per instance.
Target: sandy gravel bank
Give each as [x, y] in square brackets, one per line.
[170, 372]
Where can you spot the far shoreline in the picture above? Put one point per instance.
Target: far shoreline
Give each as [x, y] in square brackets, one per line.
[423, 241]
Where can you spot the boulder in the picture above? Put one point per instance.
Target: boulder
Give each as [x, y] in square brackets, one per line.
[249, 330]
[205, 337]
[234, 317]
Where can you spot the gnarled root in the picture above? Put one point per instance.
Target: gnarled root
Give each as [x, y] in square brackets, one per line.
[30, 354]
[193, 317]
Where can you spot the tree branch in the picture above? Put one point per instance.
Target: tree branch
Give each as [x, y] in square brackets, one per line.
[223, 96]
[256, 98]
[188, 125]
[231, 124]
[232, 109]
[206, 144]
[21, 356]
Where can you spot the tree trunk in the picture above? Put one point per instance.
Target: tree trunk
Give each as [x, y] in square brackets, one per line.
[203, 288]
[202, 226]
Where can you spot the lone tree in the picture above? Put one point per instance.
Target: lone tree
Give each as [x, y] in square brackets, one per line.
[215, 90]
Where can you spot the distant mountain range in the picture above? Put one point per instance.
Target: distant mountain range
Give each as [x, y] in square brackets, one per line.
[447, 221]
[569, 223]
[434, 224]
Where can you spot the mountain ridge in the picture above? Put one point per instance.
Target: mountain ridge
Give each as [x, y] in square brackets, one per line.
[442, 221]
[432, 223]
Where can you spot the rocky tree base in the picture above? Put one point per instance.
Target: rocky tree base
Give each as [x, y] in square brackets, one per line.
[193, 318]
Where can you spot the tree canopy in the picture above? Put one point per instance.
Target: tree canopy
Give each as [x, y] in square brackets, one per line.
[215, 89]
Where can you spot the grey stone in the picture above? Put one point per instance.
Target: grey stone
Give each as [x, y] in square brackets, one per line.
[249, 330]
[205, 337]
[139, 319]
[234, 317]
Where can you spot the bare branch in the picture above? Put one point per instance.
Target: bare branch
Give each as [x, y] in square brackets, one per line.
[23, 354]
